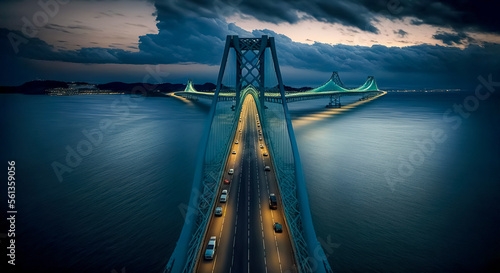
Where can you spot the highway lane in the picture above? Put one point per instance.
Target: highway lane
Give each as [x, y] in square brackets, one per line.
[246, 241]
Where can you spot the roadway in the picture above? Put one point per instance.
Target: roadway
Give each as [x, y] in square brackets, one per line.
[246, 241]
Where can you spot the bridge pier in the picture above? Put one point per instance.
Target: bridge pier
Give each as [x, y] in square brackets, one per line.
[367, 96]
[334, 102]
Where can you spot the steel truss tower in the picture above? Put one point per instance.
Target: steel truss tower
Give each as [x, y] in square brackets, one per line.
[250, 63]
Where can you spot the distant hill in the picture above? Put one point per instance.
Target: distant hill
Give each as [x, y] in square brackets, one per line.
[207, 87]
[33, 87]
[118, 86]
[137, 87]
[293, 89]
[40, 87]
[163, 87]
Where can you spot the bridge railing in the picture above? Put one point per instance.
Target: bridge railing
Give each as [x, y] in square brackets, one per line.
[289, 174]
[222, 123]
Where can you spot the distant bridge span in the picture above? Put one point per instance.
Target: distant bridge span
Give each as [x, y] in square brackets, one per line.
[333, 89]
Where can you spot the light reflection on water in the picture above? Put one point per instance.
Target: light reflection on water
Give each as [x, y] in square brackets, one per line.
[442, 217]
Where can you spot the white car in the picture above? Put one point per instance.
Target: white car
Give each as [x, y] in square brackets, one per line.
[267, 168]
[260, 138]
[236, 142]
[231, 171]
[261, 146]
[234, 152]
[266, 154]
[223, 196]
[218, 211]
[210, 251]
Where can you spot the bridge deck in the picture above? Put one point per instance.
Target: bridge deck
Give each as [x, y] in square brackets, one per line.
[246, 241]
[275, 97]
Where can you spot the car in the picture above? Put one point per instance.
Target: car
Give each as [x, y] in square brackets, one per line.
[261, 146]
[223, 196]
[267, 168]
[260, 138]
[265, 154]
[240, 119]
[278, 228]
[231, 171]
[234, 152]
[273, 202]
[218, 211]
[258, 125]
[240, 130]
[210, 251]
[226, 181]
[236, 142]
[260, 133]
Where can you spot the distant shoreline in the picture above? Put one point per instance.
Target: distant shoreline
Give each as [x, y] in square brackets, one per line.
[59, 88]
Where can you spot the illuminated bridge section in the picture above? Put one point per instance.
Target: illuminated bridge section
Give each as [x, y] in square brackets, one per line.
[333, 89]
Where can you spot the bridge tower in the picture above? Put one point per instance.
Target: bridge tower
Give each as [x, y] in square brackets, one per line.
[250, 63]
[336, 79]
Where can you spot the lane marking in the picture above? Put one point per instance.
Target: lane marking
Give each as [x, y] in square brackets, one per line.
[251, 135]
[213, 267]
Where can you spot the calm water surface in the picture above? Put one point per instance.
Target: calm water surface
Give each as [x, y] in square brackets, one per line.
[380, 202]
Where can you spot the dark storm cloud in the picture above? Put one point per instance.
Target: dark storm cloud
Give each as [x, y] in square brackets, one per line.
[464, 15]
[70, 28]
[37, 49]
[199, 41]
[401, 33]
[137, 25]
[108, 13]
[192, 31]
[82, 27]
[57, 28]
[452, 38]
[422, 65]
[343, 12]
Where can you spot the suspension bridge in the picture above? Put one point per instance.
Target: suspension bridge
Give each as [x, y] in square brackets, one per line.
[248, 156]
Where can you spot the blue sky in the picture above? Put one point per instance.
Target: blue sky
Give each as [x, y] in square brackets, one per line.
[403, 43]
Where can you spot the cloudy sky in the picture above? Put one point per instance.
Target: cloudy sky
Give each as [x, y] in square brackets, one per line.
[403, 43]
